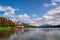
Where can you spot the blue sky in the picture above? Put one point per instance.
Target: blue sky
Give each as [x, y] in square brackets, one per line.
[36, 11]
[27, 6]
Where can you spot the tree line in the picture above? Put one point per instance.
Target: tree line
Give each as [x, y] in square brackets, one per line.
[6, 23]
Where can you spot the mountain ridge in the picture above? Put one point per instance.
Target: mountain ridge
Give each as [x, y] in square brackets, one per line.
[49, 26]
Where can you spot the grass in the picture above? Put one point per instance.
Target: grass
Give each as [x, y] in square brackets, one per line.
[5, 32]
[5, 29]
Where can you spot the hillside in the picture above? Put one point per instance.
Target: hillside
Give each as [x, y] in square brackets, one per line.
[8, 23]
[29, 26]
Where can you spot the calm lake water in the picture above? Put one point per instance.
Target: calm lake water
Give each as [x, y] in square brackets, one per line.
[36, 34]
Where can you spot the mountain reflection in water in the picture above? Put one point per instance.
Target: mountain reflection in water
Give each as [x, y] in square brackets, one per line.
[36, 34]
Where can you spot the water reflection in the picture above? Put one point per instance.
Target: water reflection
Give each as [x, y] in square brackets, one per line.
[36, 34]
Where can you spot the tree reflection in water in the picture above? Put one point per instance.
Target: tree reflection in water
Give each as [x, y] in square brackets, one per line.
[37, 34]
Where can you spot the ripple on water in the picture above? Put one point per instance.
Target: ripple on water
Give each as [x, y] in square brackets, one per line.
[36, 34]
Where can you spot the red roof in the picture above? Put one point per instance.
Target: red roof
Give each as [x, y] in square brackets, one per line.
[19, 26]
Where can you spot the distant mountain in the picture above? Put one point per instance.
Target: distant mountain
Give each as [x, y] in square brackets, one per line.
[29, 26]
[49, 26]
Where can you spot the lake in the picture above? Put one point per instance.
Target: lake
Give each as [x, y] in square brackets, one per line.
[36, 34]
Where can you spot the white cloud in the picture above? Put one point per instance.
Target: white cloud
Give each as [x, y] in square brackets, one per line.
[8, 10]
[13, 18]
[51, 17]
[26, 18]
[34, 15]
[52, 3]
[55, 0]
[54, 11]
[48, 5]
[45, 5]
